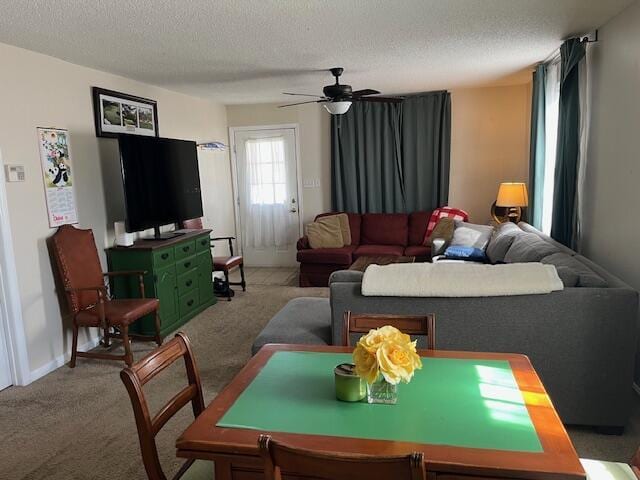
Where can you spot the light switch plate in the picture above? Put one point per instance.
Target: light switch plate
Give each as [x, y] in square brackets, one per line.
[14, 173]
[315, 183]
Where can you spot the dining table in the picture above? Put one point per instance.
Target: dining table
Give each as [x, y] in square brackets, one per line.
[473, 415]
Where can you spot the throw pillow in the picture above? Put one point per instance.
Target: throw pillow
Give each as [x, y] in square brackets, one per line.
[443, 212]
[471, 235]
[343, 218]
[465, 253]
[444, 230]
[586, 276]
[528, 247]
[325, 234]
[501, 240]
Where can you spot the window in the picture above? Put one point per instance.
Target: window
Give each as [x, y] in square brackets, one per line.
[266, 171]
[552, 106]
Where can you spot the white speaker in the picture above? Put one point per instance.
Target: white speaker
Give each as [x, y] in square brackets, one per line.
[123, 238]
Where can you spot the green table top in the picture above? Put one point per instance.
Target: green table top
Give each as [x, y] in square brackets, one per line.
[456, 402]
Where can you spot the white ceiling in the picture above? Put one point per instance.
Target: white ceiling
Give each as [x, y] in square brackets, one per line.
[246, 51]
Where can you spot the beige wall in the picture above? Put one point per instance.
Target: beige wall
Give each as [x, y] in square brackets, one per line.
[612, 175]
[37, 90]
[489, 145]
[315, 145]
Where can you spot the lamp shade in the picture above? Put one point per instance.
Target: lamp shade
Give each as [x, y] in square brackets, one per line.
[512, 194]
[337, 108]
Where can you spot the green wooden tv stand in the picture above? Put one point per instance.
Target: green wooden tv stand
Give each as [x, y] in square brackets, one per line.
[178, 274]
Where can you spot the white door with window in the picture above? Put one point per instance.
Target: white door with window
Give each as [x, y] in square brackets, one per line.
[268, 208]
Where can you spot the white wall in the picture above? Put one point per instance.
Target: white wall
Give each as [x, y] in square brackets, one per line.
[612, 195]
[315, 145]
[489, 144]
[36, 91]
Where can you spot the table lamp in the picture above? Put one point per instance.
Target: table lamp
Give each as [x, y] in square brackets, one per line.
[513, 196]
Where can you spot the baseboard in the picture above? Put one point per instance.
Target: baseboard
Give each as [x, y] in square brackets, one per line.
[60, 360]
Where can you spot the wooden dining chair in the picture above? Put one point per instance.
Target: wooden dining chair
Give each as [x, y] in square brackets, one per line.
[136, 376]
[409, 324]
[222, 264]
[89, 300]
[302, 463]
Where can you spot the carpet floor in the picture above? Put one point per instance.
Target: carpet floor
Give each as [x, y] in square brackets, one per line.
[78, 423]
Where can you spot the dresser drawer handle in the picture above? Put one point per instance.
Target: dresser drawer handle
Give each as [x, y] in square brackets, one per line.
[164, 256]
[187, 264]
[188, 283]
[189, 303]
[186, 249]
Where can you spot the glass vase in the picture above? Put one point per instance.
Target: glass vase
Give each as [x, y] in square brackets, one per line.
[382, 391]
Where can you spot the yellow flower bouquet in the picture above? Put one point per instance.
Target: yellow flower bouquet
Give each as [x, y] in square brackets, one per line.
[383, 358]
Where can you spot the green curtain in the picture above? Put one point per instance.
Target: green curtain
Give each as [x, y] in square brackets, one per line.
[392, 157]
[426, 143]
[564, 216]
[537, 147]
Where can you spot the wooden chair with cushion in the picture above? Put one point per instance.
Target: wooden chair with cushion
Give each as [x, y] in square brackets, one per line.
[409, 324]
[300, 463]
[222, 263]
[136, 376]
[78, 265]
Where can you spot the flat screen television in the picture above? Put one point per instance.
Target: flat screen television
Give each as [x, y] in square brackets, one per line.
[161, 182]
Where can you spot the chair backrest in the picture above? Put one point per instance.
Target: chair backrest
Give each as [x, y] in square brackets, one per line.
[409, 324]
[192, 224]
[336, 466]
[78, 264]
[136, 376]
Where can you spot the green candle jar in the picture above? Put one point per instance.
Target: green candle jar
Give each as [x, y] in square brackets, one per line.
[349, 386]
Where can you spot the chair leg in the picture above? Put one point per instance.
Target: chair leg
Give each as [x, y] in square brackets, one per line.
[128, 356]
[226, 279]
[106, 339]
[158, 336]
[74, 346]
[242, 282]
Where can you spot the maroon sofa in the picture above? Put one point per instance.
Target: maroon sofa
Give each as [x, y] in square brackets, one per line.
[393, 234]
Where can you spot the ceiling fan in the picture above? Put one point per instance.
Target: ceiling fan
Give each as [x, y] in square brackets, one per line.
[338, 97]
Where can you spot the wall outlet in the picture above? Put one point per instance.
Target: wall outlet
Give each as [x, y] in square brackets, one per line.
[14, 173]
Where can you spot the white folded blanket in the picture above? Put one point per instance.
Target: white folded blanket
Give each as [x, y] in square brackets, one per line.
[459, 280]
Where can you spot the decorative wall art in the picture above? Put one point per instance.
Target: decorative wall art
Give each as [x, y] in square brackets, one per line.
[117, 113]
[57, 172]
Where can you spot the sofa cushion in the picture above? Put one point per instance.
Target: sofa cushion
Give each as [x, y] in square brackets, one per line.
[501, 240]
[374, 250]
[586, 276]
[471, 235]
[417, 251]
[418, 222]
[355, 220]
[325, 233]
[568, 276]
[528, 247]
[336, 256]
[305, 320]
[385, 229]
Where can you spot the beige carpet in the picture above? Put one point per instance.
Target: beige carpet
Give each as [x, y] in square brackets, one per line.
[78, 424]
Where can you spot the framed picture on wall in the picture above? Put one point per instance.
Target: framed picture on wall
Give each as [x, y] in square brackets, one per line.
[117, 112]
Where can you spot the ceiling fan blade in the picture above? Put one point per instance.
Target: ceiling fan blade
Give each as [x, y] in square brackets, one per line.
[303, 95]
[366, 91]
[379, 99]
[302, 103]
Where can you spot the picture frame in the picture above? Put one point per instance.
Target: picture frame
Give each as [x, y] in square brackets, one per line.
[117, 112]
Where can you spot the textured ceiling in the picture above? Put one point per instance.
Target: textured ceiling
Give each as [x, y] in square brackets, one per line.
[247, 51]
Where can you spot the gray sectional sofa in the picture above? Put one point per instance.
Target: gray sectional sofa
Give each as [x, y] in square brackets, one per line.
[581, 340]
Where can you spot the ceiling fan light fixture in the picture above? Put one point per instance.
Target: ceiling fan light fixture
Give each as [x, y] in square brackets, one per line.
[337, 108]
